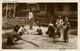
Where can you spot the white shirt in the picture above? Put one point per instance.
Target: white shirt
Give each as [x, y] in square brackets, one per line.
[59, 22]
[50, 24]
[30, 15]
[21, 30]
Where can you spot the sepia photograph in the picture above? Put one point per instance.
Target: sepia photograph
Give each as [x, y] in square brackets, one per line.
[40, 25]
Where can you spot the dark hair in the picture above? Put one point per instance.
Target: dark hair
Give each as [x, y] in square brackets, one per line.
[30, 10]
[22, 25]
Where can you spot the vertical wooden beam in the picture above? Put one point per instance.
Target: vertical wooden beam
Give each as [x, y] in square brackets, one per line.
[38, 7]
[66, 9]
[27, 9]
[14, 9]
[45, 12]
[55, 8]
[6, 9]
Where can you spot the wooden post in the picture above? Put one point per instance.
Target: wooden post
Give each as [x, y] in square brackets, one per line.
[27, 10]
[55, 6]
[6, 9]
[38, 8]
[14, 9]
[45, 12]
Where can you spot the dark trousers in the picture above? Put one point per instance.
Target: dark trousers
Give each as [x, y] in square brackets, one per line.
[31, 23]
[66, 36]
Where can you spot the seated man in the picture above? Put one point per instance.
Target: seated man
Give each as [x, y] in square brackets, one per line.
[51, 30]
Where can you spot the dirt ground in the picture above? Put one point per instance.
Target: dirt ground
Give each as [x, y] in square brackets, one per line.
[43, 41]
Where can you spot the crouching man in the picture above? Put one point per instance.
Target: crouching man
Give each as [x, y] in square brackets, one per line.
[51, 30]
[16, 35]
[22, 30]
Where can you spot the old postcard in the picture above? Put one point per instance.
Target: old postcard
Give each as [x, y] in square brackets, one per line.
[51, 25]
